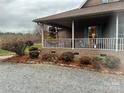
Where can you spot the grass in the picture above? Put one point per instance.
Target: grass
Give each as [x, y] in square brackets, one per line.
[37, 45]
[7, 53]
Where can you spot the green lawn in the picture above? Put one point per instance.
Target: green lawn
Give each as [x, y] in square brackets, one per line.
[38, 45]
[7, 53]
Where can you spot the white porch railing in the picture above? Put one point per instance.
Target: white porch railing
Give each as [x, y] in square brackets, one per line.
[58, 43]
[96, 43]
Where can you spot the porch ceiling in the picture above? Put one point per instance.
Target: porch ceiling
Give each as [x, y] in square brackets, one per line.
[67, 22]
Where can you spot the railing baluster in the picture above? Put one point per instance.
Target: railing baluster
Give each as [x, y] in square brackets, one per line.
[100, 44]
[112, 46]
[122, 45]
[119, 44]
[103, 43]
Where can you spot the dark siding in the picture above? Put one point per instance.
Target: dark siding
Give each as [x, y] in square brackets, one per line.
[121, 25]
[110, 28]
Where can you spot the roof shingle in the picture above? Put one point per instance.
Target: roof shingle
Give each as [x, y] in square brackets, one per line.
[92, 10]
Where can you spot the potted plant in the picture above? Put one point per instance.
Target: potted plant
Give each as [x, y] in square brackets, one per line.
[33, 52]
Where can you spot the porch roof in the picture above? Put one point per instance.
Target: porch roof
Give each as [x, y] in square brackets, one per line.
[63, 19]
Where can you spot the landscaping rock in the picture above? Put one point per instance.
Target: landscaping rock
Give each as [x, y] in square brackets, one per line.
[44, 78]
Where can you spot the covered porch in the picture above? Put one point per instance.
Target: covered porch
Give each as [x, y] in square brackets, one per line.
[97, 27]
[92, 32]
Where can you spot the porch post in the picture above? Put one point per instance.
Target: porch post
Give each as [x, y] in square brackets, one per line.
[41, 32]
[42, 29]
[117, 30]
[73, 34]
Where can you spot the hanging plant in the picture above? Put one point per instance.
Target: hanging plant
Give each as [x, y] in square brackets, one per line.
[52, 32]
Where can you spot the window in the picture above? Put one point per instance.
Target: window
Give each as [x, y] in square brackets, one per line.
[108, 1]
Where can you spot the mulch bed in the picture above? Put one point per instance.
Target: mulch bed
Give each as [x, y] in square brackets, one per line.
[27, 60]
[23, 59]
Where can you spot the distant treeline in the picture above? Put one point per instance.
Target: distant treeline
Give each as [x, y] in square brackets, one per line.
[11, 33]
[6, 36]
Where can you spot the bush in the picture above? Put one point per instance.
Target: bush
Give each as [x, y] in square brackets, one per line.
[49, 57]
[67, 57]
[33, 52]
[106, 61]
[85, 60]
[98, 62]
[112, 62]
[16, 46]
[101, 59]
[33, 49]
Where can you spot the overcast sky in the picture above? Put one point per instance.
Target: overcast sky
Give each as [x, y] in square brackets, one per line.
[17, 15]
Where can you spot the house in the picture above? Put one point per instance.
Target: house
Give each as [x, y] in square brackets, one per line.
[95, 25]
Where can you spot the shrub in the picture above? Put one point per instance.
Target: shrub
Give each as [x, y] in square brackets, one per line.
[33, 52]
[101, 59]
[17, 46]
[112, 62]
[85, 60]
[98, 62]
[49, 57]
[106, 61]
[67, 57]
[33, 49]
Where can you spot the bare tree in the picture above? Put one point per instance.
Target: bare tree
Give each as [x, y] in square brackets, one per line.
[38, 30]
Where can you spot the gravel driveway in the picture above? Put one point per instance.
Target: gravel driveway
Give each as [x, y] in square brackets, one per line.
[22, 78]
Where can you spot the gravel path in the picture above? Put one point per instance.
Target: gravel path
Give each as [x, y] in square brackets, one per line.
[22, 78]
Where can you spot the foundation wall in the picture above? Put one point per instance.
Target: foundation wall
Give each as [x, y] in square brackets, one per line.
[85, 52]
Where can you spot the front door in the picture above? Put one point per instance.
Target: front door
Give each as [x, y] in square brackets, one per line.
[92, 35]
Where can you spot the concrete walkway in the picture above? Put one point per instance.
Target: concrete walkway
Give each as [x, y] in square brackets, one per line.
[22, 78]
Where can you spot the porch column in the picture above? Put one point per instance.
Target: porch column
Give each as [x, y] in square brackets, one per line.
[117, 30]
[41, 32]
[42, 29]
[73, 34]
